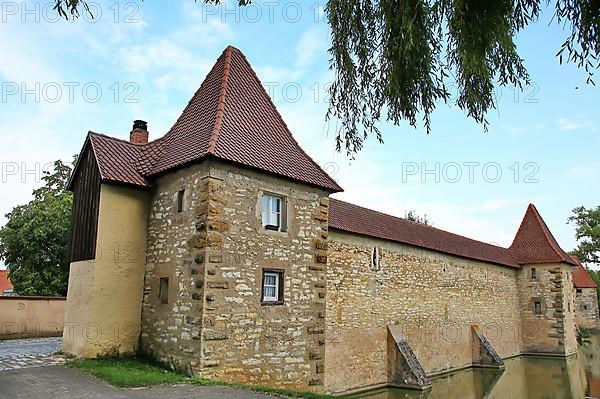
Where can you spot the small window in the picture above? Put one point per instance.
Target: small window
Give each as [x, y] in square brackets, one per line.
[578, 290]
[272, 287]
[375, 259]
[180, 201]
[533, 273]
[163, 290]
[537, 307]
[273, 212]
[584, 307]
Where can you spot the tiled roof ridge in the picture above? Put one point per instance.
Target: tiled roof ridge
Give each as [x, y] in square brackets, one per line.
[115, 138]
[122, 141]
[167, 136]
[422, 225]
[94, 151]
[214, 137]
[272, 104]
[547, 235]
[545, 230]
[217, 122]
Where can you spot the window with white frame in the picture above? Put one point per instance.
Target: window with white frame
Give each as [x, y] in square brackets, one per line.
[273, 212]
[272, 287]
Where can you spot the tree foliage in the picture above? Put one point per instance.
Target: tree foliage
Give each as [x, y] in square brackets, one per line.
[413, 216]
[587, 233]
[400, 57]
[34, 243]
[397, 59]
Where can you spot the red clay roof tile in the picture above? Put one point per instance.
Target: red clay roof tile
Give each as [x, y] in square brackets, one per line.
[534, 243]
[355, 219]
[581, 278]
[5, 283]
[230, 117]
[118, 160]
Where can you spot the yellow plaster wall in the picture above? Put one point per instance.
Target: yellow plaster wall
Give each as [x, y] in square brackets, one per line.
[31, 317]
[78, 307]
[104, 301]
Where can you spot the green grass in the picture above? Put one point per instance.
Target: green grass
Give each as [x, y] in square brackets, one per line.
[135, 373]
[127, 373]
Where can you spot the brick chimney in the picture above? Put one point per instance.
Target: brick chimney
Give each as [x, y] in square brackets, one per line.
[139, 133]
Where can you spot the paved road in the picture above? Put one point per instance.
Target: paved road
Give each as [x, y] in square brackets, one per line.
[30, 370]
[25, 353]
[58, 382]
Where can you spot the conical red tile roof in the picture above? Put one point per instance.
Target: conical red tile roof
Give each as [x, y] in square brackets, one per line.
[231, 117]
[534, 243]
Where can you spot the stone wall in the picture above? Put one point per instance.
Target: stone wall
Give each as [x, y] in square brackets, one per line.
[586, 307]
[171, 332]
[553, 329]
[214, 255]
[433, 297]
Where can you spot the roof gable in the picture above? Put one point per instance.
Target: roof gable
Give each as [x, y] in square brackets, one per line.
[581, 278]
[230, 117]
[534, 243]
[355, 219]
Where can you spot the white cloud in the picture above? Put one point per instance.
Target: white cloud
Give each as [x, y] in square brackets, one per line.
[493, 205]
[569, 125]
[312, 43]
[588, 171]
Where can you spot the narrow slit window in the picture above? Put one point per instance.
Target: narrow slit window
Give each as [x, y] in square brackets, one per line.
[375, 259]
[163, 290]
[180, 201]
[537, 307]
[533, 273]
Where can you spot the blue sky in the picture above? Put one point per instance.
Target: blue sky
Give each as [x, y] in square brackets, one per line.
[144, 60]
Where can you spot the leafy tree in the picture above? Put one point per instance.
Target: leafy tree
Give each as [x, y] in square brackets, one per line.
[587, 233]
[34, 243]
[397, 59]
[414, 217]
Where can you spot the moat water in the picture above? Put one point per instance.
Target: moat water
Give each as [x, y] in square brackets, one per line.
[577, 377]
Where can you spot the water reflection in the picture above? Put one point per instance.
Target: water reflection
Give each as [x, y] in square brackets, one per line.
[523, 378]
